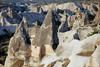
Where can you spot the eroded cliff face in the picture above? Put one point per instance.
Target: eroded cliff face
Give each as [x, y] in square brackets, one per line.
[48, 46]
[18, 47]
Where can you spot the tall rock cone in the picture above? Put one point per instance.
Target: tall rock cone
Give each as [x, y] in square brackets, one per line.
[18, 48]
[47, 33]
[44, 40]
[97, 18]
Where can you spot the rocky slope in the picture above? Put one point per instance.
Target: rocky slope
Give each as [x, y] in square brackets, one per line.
[52, 35]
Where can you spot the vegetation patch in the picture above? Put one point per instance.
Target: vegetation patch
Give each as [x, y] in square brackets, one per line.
[41, 65]
[95, 32]
[70, 27]
[86, 53]
[67, 61]
[52, 64]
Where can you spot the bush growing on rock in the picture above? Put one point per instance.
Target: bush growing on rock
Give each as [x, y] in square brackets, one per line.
[95, 32]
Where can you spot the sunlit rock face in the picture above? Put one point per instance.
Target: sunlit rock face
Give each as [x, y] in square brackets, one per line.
[83, 32]
[45, 40]
[64, 25]
[80, 19]
[47, 33]
[18, 47]
[96, 19]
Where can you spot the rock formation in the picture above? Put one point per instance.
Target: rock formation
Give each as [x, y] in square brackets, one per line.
[85, 18]
[93, 60]
[96, 19]
[64, 25]
[80, 19]
[67, 36]
[5, 23]
[83, 32]
[47, 33]
[45, 40]
[18, 48]
[42, 46]
[14, 16]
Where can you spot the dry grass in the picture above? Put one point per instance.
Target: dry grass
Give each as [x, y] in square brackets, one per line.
[92, 25]
[52, 64]
[36, 26]
[41, 65]
[19, 63]
[86, 53]
[67, 61]
[89, 2]
[60, 61]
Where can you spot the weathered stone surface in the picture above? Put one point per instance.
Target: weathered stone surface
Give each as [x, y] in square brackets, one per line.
[85, 18]
[47, 33]
[93, 9]
[94, 59]
[13, 15]
[44, 40]
[67, 36]
[96, 19]
[80, 19]
[71, 20]
[6, 24]
[64, 25]
[18, 46]
[83, 32]
[74, 47]
[41, 10]
[87, 44]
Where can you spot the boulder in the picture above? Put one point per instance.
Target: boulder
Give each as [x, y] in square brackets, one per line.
[83, 32]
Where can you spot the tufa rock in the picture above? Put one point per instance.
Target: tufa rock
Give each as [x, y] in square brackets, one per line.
[18, 47]
[96, 19]
[64, 25]
[47, 33]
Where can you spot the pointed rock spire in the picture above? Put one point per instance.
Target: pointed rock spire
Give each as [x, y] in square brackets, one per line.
[41, 10]
[47, 33]
[97, 18]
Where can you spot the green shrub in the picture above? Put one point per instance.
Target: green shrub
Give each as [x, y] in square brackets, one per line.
[70, 27]
[10, 34]
[38, 23]
[95, 32]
